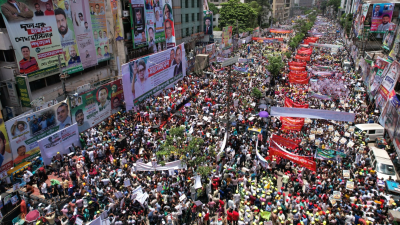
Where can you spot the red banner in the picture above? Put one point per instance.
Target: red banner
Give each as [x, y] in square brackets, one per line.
[284, 142]
[297, 68]
[263, 38]
[304, 52]
[298, 81]
[291, 104]
[305, 58]
[290, 123]
[305, 49]
[293, 63]
[298, 76]
[306, 162]
[280, 31]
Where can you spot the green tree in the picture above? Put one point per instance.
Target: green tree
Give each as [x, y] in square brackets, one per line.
[256, 93]
[213, 8]
[275, 64]
[335, 3]
[191, 153]
[243, 13]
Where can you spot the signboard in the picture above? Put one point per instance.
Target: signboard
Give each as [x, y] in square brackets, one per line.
[34, 36]
[100, 30]
[381, 17]
[60, 142]
[90, 108]
[24, 92]
[26, 130]
[149, 75]
[6, 161]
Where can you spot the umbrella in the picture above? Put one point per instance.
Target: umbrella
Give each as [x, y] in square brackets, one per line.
[187, 104]
[32, 216]
[262, 106]
[263, 114]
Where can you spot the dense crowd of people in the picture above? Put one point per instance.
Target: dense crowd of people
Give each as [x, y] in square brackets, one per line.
[245, 184]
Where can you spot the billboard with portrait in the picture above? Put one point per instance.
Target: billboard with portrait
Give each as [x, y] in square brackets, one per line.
[94, 106]
[390, 80]
[25, 131]
[226, 36]
[6, 161]
[84, 32]
[159, 22]
[149, 75]
[212, 53]
[34, 36]
[59, 142]
[100, 30]
[208, 22]
[138, 21]
[65, 25]
[169, 26]
[117, 28]
[381, 17]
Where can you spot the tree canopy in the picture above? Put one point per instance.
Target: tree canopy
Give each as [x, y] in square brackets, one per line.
[246, 15]
[275, 64]
[213, 8]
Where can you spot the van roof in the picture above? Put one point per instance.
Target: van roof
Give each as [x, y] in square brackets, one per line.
[384, 161]
[382, 154]
[369, 126]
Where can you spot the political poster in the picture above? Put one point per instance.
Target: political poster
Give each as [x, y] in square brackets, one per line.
[94, 106]
[377, 73]
[59, 142]
[350, 185]
[151, 74]
[396, 135]
[159, 23]
[396, 46]
[390, 80]
[346, 174]
[169, 25]
[389, 37]
[226, 36]
[117, 27]
[100, 30]
[211, 51]
[65, 25]
[34, 36]
[360, 18]
[381, 17]
[138, 21]
[392, 115]
[208, 22]
[6, 161]
[81, 16]
[26, 130]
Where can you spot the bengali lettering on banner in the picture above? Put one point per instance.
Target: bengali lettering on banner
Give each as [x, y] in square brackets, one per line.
[65, 23]
[6, 160]
[94, 106]
[381, 17]
[25, 131]
[306, 162]
[390, 80]
[100, 29]
[149, 75]
[138, 21]
[117, 28]
[290, 144]
[169, 25]
[60, 142]
[289, 123]
[289, 103]
[83, 33]
[34, 36]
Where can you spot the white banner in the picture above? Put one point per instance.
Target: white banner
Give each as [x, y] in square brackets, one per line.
[60, 142]
[175, 165]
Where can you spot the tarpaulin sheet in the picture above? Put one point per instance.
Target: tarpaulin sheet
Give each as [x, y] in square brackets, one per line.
[313, 114]
[290, 103]
[289, 123]
[290, 144]
[300, 160]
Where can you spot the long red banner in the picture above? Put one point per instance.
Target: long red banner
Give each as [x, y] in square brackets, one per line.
[292, 63]
[304, 52]
[298, 81]
[298, 76]
[301, 160]
[297, 68]
[291, 104]
[290, 123]
[284, 142]
[305, 58]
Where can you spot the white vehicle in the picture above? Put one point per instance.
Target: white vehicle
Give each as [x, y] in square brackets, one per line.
[382, 164]
[372, 130]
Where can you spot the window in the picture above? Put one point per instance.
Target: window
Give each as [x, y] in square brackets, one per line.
[192, 17]
[198, 3]
[187, 18]
[371, 132]
[198, 16]
[192, 3]
[198, 29]
[7, 55]
[214, 19]
[186, 3]
[183, 34]
[187, 32]
[2, 24]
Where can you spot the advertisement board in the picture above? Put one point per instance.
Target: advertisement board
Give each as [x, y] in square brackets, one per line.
[138, 21]
[82, 19]
[92, 107]
[100, 30]
[34, 36]
[208, 22]
[151, 74]
[381, 17]
[169, 25]
[6, 161]
[26, 130]
[59, 142]
[117, 28]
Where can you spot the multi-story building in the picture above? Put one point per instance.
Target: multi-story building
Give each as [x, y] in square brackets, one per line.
[281, 9]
